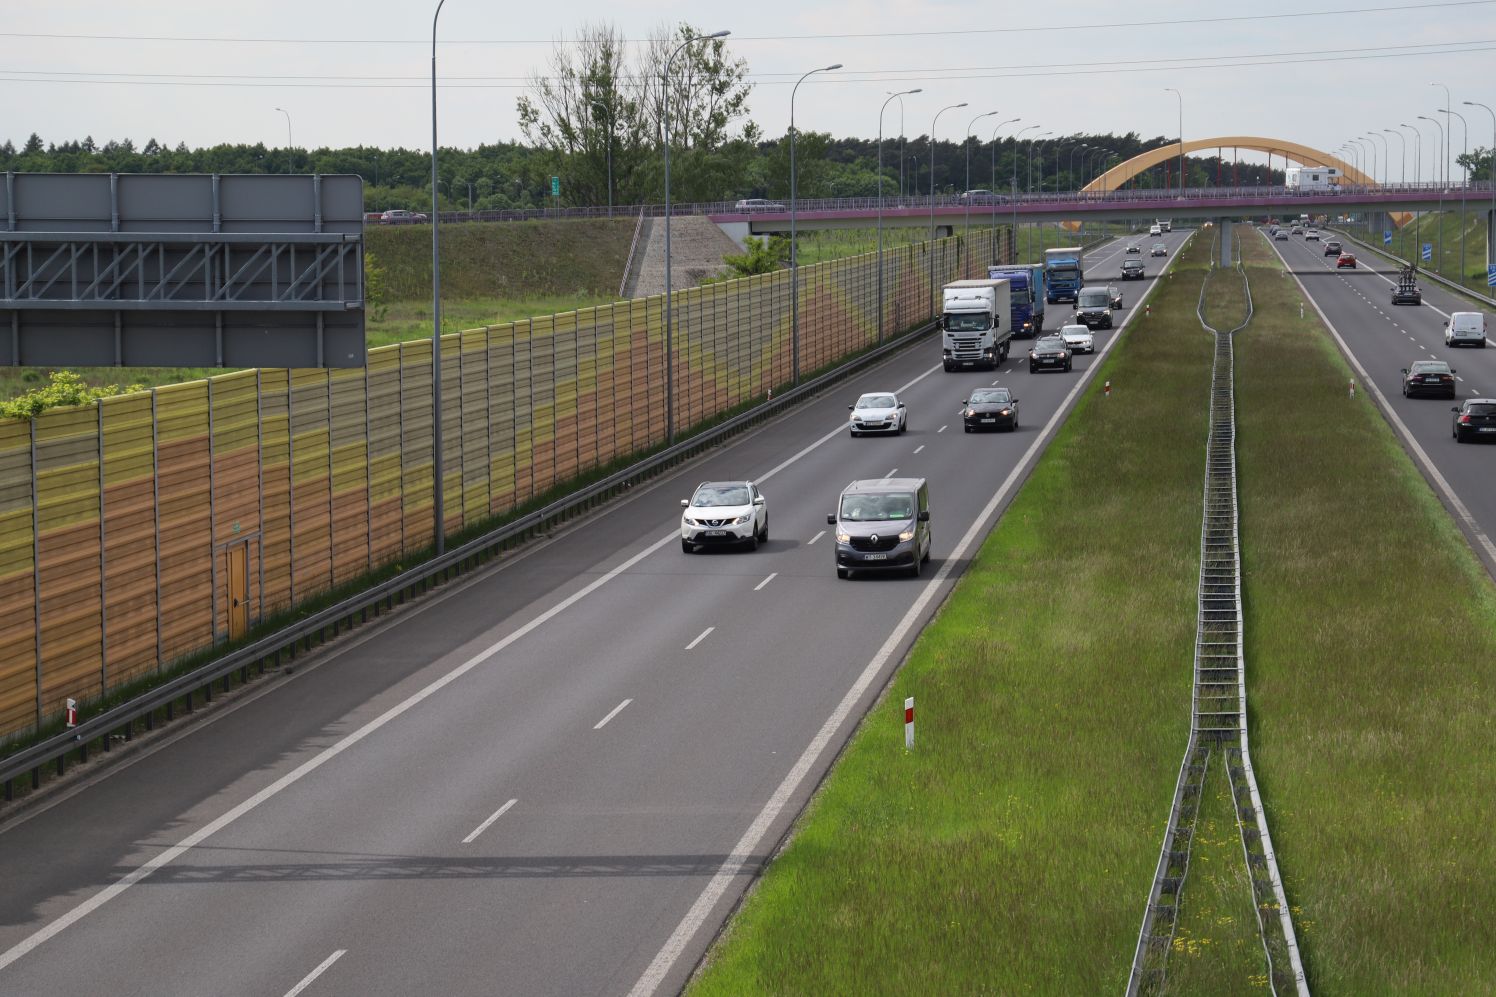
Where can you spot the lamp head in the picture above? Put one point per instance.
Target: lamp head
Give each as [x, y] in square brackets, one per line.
[831, 67]
[718, 34]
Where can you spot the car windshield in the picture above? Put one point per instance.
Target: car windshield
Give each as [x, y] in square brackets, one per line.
[888, 507]
[975, 322]
[990, 396]
[1480, 409]
[876, 401]
[714, 495]
[1092, 299]
[1051, 344]
[1133, 265]
[1430, 367]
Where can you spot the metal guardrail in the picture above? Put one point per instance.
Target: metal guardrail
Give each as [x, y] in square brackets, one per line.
[1431, 275]
[1218, 711]
[303, 635]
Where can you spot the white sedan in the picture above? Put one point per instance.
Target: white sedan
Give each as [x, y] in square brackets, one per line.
[724, 513]
[878, 412]
[1078, 338]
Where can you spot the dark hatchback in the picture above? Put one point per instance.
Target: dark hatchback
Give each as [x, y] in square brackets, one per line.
[990, 408]
[1475, 419]
[1133, 270]
[1428, 377]
[1049, 353]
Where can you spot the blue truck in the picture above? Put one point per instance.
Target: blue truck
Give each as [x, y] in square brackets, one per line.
[1027, 283]
[1063, 273]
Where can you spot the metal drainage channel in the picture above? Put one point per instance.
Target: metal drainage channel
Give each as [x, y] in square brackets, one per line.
[1218, 713]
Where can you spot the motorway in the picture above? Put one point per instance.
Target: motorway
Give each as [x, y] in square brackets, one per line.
[555, 777]
[1382, 339]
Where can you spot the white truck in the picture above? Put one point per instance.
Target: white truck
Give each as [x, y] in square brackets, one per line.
[976, 324]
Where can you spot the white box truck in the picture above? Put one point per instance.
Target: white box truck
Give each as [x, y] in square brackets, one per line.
[976, 324]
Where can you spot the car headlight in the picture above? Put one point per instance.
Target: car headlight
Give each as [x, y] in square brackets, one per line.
[1006, 411]
[741, 519]
[844, 538]
[906, 536]
[969, 412]
[1033, 355]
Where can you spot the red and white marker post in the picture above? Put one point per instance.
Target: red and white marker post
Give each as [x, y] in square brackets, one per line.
[1108, 389]
[72, 713]
[909, 723]
[1352, 388]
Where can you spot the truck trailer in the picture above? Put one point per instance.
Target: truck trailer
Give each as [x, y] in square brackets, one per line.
[1026, 282]
[1063, 273]
[976, 323]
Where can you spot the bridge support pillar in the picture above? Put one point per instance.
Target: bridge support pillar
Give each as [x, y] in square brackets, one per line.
[1223, 237]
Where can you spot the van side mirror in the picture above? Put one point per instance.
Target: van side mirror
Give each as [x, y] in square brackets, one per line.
[924, 515]
[685, 503]
[831, 519]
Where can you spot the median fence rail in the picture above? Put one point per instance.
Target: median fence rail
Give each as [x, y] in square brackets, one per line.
[1435, 277]
[159, 525]
[1218, 711]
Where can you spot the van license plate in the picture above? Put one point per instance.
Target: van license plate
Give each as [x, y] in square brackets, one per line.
[875, 557]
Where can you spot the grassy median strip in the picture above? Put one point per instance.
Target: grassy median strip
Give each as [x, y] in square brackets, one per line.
[1371, 655]
[1012, 850]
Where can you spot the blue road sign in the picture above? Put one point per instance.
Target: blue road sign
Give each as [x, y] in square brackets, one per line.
[1386, 238]
[1491, 275]
[1428, 251]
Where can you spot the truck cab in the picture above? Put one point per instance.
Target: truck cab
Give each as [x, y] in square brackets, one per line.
[976, 325]
[1063, 273]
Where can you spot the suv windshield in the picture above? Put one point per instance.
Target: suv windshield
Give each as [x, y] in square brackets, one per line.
[1050, 343]
[1093, 299]
[716, 495]
[877, 508]
[975, 322]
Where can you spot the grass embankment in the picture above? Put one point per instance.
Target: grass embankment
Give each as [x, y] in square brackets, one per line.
[1447, 232]
[1371, 663]
[1012, 850]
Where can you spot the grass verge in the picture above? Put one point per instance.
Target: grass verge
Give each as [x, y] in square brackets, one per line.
[1371, 637]
[1454, 240]
[1012, 850]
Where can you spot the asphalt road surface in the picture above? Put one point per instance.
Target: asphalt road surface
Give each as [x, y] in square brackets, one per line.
[1382, 339]
[556, 777]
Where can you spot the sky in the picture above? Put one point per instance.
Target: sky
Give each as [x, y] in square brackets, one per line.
[350, 74]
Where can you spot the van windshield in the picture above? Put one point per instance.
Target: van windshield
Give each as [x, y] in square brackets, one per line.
[1093, 299]
[883, 508]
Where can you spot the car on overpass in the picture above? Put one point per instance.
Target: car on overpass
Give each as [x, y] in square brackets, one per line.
[1465, 329]
[989, 408]
[1428, 377]
[402, 216]
[1475, 419]
[878, 412]
[1346, 261]
[749, 205]
[882, 524]
[1133, 270]
[722, 514]
[982, 196]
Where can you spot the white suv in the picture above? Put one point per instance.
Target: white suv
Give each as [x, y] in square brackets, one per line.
[1078, 338]
[724, 513]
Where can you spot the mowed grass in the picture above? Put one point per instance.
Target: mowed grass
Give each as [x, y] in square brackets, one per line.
[1371, 654]
[1012, 851]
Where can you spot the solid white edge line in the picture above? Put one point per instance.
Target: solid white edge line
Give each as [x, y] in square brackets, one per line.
[772, 575]
[488, 823]
[311, 977]
[664, 961]
[611, 714]
[700, 637]
[1459, 507]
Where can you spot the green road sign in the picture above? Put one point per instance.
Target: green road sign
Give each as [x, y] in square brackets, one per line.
[555, 186]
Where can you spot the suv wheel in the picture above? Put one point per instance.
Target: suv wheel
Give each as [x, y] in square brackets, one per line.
[685, 546]
[763, 534]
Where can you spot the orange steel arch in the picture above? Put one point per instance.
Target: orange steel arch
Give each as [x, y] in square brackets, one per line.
[1123, 172]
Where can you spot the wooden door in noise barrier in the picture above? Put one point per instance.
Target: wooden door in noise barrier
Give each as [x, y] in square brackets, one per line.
[238, 575]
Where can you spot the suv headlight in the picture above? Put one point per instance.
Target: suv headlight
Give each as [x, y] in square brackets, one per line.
[741, 519]
[906, 536]
[844, 538]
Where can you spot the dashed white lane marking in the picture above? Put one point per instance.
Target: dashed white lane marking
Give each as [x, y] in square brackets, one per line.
[311, 977]
[891, 472]
[691, 646]
[995, 383]
[772, 575]
[611, 714]
[940, 430]
[919, 448]
[815, 538]
[488, 823]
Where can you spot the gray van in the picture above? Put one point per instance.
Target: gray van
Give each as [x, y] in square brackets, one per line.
[882, 524]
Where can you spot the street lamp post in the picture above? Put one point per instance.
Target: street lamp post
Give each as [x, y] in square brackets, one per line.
[1037, 140]
[669, 344]
[1448, 132]
[900, 97]
[289, 144]
[1013, 183]
[794, 242]
[1464, 179]
[437, 485]
[1180, 97]
[931, 253]
[966, 231]
[1386, 154]
[1070, 168]
[1439, 264]
[1399, 135]
[1491, 220]
[999, 128]
[1417, 152]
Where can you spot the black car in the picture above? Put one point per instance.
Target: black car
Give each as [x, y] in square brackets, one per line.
[1133, 249]
[1475, 418]
[1049, 353]
[1406, 290]
[1093, 308]
[1428, 377]
[1133, 270]
[990, 408]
